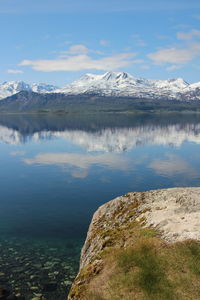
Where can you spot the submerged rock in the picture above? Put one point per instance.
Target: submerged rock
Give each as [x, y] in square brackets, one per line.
[50, 286]
[4, 293]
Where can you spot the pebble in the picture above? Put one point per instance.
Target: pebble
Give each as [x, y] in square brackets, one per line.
[33, 288]
[38, 269]
[67, 282]
[38, 295]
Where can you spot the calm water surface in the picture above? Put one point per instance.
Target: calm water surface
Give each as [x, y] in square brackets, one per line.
[56, 170]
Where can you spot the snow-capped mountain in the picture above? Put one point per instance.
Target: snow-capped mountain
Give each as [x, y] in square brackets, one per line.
[13, 87]
[113, 84]
[124, 84]
[108, 84]
[43, 88]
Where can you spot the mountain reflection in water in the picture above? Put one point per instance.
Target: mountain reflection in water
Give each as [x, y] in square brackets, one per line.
[115, 134]
[81, 161]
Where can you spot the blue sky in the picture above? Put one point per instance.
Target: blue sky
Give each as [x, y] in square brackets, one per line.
[58, 41]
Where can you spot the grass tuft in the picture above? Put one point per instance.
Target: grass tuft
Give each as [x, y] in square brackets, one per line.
[191, 251]
[144, 267]
[137, 264]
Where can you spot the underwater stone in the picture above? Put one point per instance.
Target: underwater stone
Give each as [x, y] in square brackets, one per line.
[50, 286]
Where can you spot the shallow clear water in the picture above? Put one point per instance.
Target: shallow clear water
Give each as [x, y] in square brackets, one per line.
[56, 170]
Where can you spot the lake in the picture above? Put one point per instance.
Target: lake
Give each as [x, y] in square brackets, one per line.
[56, 170]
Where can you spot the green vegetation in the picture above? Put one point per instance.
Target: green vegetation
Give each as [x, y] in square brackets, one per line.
[150, 275]
[191, 252]
[146, 269]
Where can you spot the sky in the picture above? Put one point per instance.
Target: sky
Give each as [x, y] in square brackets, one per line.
[57, 41]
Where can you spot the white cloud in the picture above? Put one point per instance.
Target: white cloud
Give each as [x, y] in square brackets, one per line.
[104, 43]
[16, 153]
[176, 56]
[82, 62]
[173, 67]
[196, 48]
[78, 49]
[181, 26]
[67, 42]
[14, 71]
[141, 43]
[188, 35]
[145, 67]
[138, 40]
[163, 37]
[135, 36]
[172, 55]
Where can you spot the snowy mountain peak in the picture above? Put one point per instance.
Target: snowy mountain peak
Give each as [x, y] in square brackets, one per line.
[195, 85]
[124, 84]
[108, 76]
[113, 84]
[10, 88]
[88, 77]
[43, 88]
[178, 82]
[15, 85]
[116, 76]
[174, 84]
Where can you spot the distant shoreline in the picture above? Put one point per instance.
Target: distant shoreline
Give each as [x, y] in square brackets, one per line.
[34, 103]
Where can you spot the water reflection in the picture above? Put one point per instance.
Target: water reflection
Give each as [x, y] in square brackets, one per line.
[82, 161]
[173, 165]
[56, 170]
[117, 135]
[106, 141]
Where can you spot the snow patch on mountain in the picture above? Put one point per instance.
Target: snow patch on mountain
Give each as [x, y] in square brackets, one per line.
[113, 84]
[13, 87]
[43, 88]
[124, 84]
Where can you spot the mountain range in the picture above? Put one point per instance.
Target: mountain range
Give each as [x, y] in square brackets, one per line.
[10, 88]
[112, 84]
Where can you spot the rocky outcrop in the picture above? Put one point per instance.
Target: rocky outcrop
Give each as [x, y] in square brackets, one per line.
[174, 213]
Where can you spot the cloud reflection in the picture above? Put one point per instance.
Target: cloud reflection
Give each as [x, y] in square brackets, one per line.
[173, 165]
[18, 153]
[81, 162]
